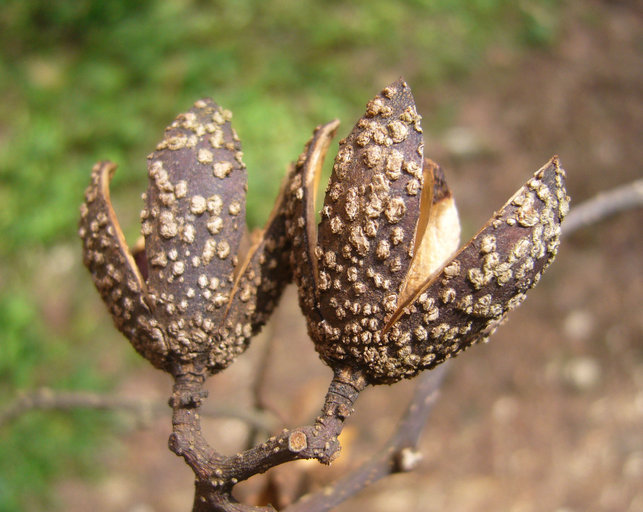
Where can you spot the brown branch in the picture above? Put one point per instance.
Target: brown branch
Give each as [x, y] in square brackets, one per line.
[604, 205]
[399, 455]
[216, 474]
[47, 399]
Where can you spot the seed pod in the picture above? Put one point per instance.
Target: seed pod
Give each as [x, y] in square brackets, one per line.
[114, 271]
[473, 292]
[301, 190]
[197, 295]
[378, 282]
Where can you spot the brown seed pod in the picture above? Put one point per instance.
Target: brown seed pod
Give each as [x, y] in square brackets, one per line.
[378, 282]
[300, 191]
[114, 271]
[196, 295]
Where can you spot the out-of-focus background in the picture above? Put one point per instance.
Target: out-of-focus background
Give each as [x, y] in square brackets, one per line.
[547, 417]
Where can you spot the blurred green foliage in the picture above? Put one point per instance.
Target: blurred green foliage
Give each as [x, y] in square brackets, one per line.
[84, 80]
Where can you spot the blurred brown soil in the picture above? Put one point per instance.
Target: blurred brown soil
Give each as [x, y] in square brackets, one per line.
[549, 415]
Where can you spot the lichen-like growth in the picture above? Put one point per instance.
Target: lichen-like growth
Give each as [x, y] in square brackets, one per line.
[379, 284]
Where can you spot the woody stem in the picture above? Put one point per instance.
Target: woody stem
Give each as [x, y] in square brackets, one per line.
[216, 474]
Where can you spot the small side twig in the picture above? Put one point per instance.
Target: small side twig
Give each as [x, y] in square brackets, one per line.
[261, 401]
[604, 205]
[399, 455]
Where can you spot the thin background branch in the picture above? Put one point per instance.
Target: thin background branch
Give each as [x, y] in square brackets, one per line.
[604, 205]
[260, 399]
[398, 455]
[47, 399]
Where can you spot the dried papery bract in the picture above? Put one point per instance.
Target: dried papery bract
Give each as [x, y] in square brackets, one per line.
[198, 298]
[473, 292]
[380, 286]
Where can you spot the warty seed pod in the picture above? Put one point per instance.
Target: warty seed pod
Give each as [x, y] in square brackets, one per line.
[199, 286]
[378, 280]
